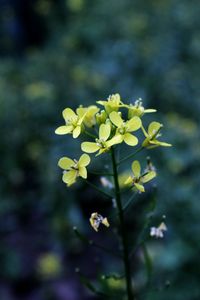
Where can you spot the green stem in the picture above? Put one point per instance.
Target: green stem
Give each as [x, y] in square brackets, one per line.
[130, 155]
[148, 263]
[129, 202]
[122, 228]
[90, 134]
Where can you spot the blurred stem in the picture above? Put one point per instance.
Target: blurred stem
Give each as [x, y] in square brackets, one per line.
[130, 155]
[122, 228]
[98, 189]
[84, 239]
[147, 262]
[129, 202]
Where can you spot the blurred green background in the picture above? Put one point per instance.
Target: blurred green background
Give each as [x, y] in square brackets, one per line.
[59, 53]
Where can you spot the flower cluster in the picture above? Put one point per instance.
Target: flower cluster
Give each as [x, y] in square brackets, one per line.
[104, 127]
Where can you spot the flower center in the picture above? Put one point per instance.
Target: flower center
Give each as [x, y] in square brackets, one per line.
[123, 129]
[72, 121]
[101, 143]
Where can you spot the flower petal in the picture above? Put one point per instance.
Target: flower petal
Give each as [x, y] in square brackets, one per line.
[139, 187]
[136, 168]
[104, 131]
[117, 139]
[144, 132]
[130, 139]
[84, 160]
[134, 124]
[149, 110]
[158, 143]
[64, 130]
[105, 222]
[129, 180]
[102, 102]
[154, 127]
[83, 172]
[69, 177]
[116, 119]
[89, 147]
[148, 176]
[81, 111]
[69, 114]
[76, 132]
[65, 163]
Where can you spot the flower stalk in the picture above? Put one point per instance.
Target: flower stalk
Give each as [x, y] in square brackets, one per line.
[122, 228]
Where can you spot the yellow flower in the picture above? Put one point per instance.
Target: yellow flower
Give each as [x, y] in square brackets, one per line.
[112, 104]
[73, 122]
[138, 179]
[90, 115]
[124, 128]
[138, 110]
[101, 144]
[152, 135]
[73, 168]
[101, 117]
[97, 219]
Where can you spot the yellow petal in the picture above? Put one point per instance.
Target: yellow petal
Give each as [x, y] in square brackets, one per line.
[116, 119]
[117, 139]
[102, 102]
[84, 160]
[65, 163]
[154, 127]
[144, 132]
[69, 114]
[69, 177]
[104, 131]
[134, 124]
[136, 168]
[139, 187]
[89, 147]
[64, 129]
[81, 111]
[158, 143]
[129, 180]
[76, 132]
[148, 177]
[130, 139]
[105, 222]
[150, 110]
[83, 172]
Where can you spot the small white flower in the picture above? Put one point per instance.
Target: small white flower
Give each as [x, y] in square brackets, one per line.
[158, 232]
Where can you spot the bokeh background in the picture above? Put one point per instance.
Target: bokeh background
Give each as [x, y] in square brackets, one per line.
[55, 54]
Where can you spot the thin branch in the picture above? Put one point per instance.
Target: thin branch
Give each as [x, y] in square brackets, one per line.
[98, 189]
[130, 155]
[84, 239]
